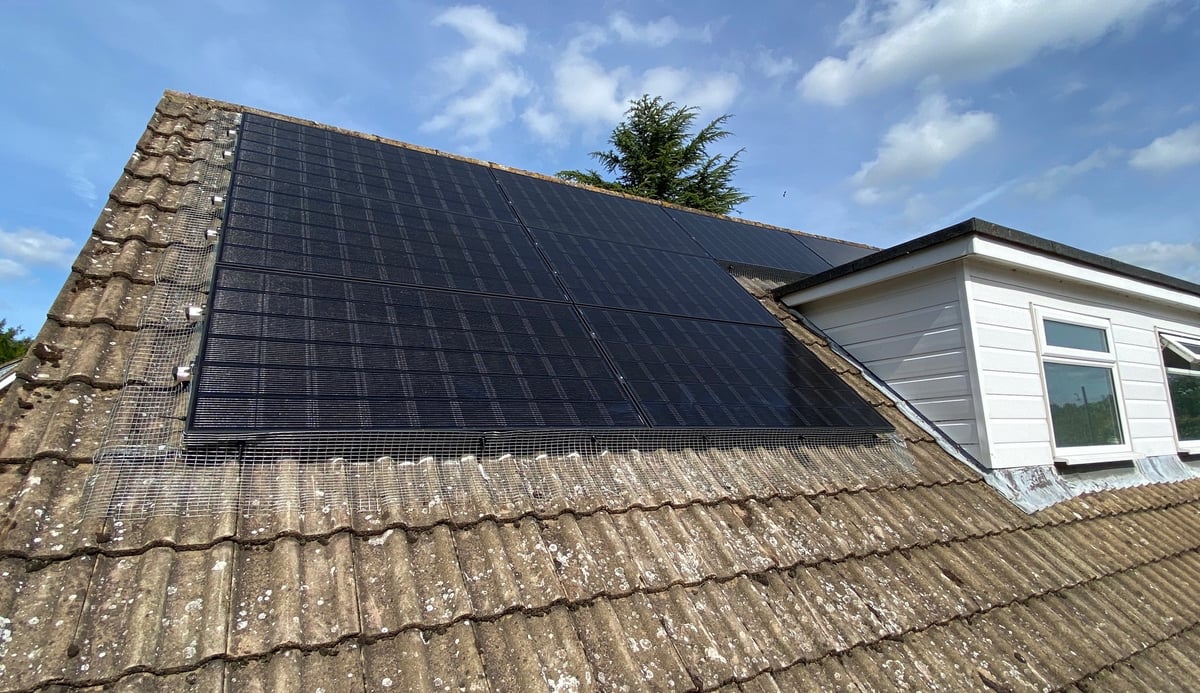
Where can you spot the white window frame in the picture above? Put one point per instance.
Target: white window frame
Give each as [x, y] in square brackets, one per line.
[1173, 341]
[1047, 353]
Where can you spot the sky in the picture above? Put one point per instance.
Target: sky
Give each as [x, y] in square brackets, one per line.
[876, 122]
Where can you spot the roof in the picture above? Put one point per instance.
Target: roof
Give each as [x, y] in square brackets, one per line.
[986, 229]
[765, 572]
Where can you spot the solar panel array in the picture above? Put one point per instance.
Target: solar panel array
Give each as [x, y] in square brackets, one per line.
[365, 286]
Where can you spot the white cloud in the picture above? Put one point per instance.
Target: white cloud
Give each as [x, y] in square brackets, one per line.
[1113, 104]
[773, 66]
[1180, 260]
[657, 33]
[904, 41]
[1050, 181]
[482, 79]
[477, 114]
[34, 247]
[583, 90]
[588, 93]
[11, 270]
[1178, 149]
[968, 208]
[491, 42]
[545, 124]
[920, 146]
[709, 93]
[81, 185]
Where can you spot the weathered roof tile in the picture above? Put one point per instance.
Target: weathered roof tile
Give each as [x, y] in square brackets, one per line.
[610, 647]
[43, 516]
[485, 570]
[644, 634]
[442, 596]
[654, 562]
[293, 593]
[455, 658]
[41, 604]
[705, 659]
[400, 662]
[564, 662]
[737, 631]
[331, 670]
[616, 574]
[509, 657]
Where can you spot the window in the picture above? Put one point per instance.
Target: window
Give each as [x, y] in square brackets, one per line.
[1079, 365]
[1181, 357]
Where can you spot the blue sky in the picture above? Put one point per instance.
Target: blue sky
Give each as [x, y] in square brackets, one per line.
[876, 122]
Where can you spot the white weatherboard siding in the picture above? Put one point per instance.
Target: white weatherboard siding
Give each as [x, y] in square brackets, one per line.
[955, 331]
[909, 333]
[1012, 391]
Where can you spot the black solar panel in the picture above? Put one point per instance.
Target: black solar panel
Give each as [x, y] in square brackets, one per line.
[617, 275]
[700, 373]
[364, 286]
[287, 352]
[734, 241]
[567, 209]
[365, 171]
[835, 252]
[393, 243]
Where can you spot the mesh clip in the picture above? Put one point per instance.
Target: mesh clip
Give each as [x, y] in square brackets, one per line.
[183, 374]
[194, 313]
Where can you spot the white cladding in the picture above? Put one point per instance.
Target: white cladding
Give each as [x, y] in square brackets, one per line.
[910, 333]
[958, 339]
[1012, 391]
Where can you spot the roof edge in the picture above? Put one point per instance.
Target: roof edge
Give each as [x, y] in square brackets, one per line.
[980, 227]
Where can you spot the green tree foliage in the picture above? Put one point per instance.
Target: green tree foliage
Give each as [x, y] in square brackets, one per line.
[654, 155]
[12, 344]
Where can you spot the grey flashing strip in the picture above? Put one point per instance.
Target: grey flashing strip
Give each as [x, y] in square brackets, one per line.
[1036, 488]
[979, 227]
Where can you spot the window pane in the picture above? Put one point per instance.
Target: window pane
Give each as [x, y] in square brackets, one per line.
[1083, 405]
[1185, 400]
[1173, 360]
[1064, 334]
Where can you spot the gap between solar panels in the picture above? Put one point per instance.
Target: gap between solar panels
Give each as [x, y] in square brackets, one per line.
[435, 305]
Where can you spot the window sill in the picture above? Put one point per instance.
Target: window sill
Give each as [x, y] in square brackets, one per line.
[1074, 460]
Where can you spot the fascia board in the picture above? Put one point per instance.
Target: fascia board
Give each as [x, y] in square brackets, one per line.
[888, 271]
